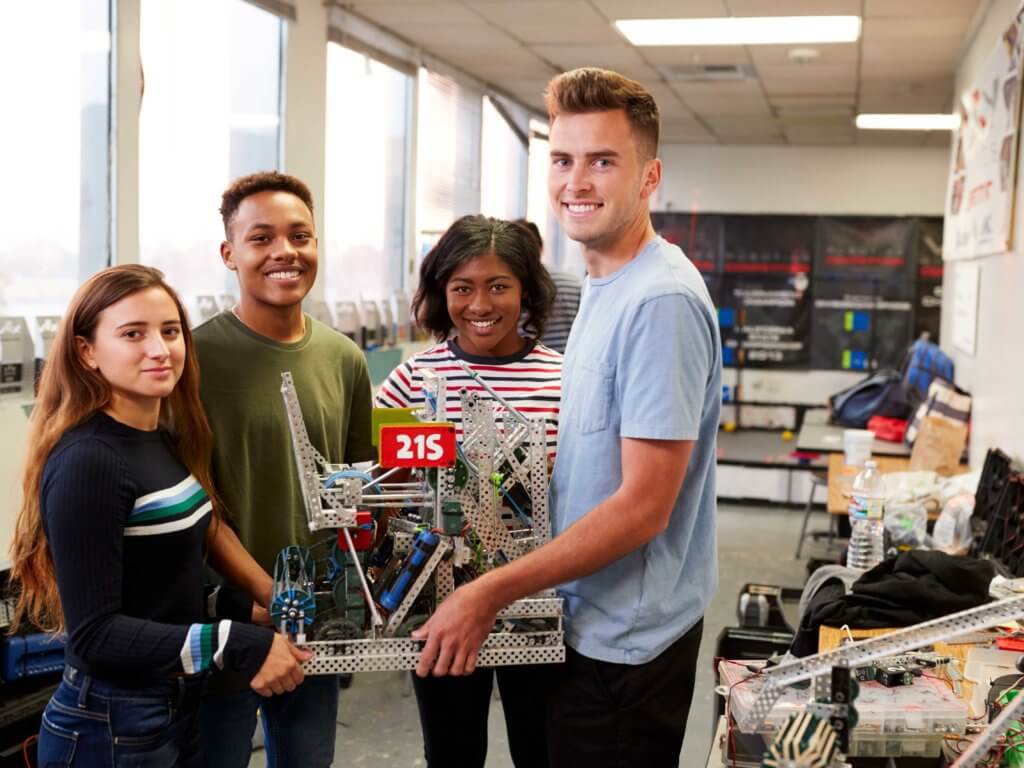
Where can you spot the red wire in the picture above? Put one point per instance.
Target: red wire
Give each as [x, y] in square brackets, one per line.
[24, 749]
[730, 730]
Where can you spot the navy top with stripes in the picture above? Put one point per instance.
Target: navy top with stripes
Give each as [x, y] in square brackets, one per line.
[126, 522]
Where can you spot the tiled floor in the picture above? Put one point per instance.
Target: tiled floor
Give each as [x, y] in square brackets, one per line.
[377, 721]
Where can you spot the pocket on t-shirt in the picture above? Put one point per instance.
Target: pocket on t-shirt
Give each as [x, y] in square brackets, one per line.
[595, 398]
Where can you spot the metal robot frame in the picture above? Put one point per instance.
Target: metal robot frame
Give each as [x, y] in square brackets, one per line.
[332, 494]
[820, 669]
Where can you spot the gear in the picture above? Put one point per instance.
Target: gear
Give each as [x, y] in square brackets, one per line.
[338, 629]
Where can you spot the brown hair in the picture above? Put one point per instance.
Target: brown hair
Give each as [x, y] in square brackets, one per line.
[69, 393]
[590, 89]
[266, 181]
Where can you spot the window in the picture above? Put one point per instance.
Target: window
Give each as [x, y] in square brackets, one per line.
[364, 203]
[54, 151]
[503, 166]
[210, 113]
[448, 142]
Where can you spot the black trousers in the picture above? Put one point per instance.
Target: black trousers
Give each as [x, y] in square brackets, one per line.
[607, 715]
[453, 715]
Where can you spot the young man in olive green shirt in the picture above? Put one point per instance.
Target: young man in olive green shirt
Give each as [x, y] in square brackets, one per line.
[271, 245]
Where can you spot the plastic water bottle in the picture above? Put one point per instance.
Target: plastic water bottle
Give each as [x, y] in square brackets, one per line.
[867, 529]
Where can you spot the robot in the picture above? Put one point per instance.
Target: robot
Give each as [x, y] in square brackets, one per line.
[433, 513]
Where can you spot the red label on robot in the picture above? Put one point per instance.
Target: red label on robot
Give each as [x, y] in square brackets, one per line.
[414, 445]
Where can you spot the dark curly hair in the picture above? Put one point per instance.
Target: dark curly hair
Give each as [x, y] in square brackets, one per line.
[265, 181]
[473, 236]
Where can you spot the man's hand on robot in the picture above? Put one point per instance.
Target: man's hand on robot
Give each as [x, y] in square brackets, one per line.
[456, 631]
[281, 671]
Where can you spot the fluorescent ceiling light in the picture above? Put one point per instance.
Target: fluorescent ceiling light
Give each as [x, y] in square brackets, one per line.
[742, 30]
[908, 122]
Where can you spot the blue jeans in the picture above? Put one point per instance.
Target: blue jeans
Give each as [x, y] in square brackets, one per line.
[90, 723]
[298, 727]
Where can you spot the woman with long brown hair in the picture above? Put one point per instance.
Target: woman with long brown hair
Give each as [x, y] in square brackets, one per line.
[109, 545]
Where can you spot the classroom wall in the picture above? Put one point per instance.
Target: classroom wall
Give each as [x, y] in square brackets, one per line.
[865, 180]
[858, 180]
[994, 374]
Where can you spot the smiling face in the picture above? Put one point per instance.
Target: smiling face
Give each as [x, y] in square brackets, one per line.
[138, 348]
[484, 303]
[598, 184]
[273, 249]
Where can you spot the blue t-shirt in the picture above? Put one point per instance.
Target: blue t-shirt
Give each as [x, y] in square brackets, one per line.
[644, 360]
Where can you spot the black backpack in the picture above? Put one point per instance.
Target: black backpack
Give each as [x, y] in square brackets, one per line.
[855, 405]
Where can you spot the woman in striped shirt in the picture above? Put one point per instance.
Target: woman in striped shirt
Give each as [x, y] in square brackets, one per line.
[483, 275]
[118, 511]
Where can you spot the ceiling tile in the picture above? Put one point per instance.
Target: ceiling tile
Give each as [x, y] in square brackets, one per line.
[705, 138]
[812, 86]
[895, 62]
[434, 13]
[660, 9]
[758, 140]
[823, 72]
[908, 88]
[820, 135]
[724, 98]
[359, 5]
[620, 57]
[531, 90]
[920, 9]
[813, 101]
[939, 139]
[741, 126]
[439, 40]
[917, 30]
[905, 101]
[684, 132]
[839, 121]
[794, 7]
[891, 138]
[496, 66]
[828, 55]
[696, 54]
[549, 21]
[680, 122]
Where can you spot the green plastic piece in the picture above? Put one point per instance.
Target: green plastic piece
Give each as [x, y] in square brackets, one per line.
[381, 416]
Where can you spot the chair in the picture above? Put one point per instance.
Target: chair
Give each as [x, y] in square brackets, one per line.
[818, 480]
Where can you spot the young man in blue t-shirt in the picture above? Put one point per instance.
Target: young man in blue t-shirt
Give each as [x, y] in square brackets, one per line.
[633, 492]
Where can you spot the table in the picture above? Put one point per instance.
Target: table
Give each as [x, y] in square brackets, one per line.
[840, 479]
[816, 436]
[717, 744]
[763, 449]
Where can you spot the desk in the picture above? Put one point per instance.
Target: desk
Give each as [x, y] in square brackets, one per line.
[840, 478]
[815, 436]
[763, 452]
[760, 448]
[718, 745]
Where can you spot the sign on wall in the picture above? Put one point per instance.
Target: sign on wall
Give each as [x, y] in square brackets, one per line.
[821, 292]
[983, 165]
[699, 235]
[966, 280]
